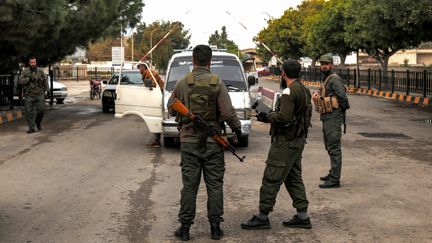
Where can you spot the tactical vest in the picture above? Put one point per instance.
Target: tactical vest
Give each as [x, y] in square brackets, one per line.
[326, 104]
[202, 96]
[301, 121]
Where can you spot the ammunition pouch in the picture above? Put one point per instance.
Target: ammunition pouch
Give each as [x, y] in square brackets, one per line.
[326, 104]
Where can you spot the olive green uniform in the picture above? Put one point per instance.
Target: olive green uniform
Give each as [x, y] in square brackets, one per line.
[332, 122]
[283, 164]
[34, 84]
[209, 162]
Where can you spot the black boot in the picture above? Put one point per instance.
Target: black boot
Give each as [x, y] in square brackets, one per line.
[31, 130]
[182, 232]
[330, 184]
[325, 178]
[296, 222]
[216, 231]
[256, 223]
[38, 121]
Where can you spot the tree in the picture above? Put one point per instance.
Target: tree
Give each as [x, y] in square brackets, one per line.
[285, 35]
[52, 29]
[221, 41]
[324, 32]
[178, 39]
[381, 28]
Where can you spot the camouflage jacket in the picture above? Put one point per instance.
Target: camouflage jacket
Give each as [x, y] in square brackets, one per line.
[34, 83]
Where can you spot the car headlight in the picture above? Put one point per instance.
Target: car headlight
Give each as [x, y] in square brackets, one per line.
[63, 89]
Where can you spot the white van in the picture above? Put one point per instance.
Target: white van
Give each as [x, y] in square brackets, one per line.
[151, 105]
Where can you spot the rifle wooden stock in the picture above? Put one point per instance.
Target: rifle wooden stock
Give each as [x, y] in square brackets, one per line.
[201, 123]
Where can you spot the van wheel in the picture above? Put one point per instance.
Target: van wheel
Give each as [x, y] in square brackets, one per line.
[105, 108]
[168, 142]
[243, 141]
[60, 101]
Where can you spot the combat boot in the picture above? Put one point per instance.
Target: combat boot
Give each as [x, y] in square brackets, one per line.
[216, 231]
[182, 232]
[330, 184]
[31, 130]
[256, 223]
[325, 178]
[296, 222]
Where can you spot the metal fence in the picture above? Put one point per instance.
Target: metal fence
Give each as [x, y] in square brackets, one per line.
[419, 82]
[6, 90]
[81, 72]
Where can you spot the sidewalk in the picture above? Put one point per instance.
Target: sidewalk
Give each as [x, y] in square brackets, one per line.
[74, 88]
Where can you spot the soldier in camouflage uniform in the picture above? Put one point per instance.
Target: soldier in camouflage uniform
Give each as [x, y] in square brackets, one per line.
[204, 94]
[35, 83]
[332, 119]
[283, 164]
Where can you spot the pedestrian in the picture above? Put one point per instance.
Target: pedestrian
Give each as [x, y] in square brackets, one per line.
[34, 83]
[283, 165]
[205, 95]
[151, 74]
[331, 102]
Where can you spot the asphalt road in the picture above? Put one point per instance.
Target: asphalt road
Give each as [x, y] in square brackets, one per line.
[88, 177]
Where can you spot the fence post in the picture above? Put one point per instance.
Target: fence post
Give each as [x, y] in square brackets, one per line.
[348, 77]
[392, 80]
[77, 74]
[408, 82]
[424, 83]
[369, 78]
[11, 91]
[380, 79]
[96, 72]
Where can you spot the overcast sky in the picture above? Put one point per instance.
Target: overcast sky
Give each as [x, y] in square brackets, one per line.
[203, 18]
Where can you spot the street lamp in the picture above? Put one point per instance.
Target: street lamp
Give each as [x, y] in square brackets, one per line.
[151, 45]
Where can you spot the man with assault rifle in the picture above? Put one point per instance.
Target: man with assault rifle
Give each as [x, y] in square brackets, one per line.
[207, 98]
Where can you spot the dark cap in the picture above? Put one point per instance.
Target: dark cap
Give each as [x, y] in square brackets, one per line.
[326, 58]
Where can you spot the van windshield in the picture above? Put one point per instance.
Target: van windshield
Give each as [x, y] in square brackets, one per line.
[132, 78]
[227, 68]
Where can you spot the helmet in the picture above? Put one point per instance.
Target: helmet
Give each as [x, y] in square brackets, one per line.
[326, 58]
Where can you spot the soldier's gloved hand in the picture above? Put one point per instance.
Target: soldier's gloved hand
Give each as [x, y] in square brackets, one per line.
[262, 117]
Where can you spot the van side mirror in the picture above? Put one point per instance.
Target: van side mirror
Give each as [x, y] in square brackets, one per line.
[104, 81]
[251, 80]
[148, 83]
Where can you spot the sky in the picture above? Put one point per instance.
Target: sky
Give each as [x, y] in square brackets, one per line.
[203, 18]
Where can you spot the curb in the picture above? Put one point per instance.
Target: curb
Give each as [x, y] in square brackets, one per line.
[407, 99]
[402, 98]
[10, 116]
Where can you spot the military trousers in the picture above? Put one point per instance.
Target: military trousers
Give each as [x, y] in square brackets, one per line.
[212, 165]
[283, 165]
[34, 110]
[332, 133]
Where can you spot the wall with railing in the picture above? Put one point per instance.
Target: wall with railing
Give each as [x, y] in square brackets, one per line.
[408, 81]
[6, 90]
[81, 72]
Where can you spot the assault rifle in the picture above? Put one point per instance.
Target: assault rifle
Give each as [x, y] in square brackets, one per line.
[202, 124]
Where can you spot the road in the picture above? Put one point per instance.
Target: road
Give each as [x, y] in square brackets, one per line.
[88, 177]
